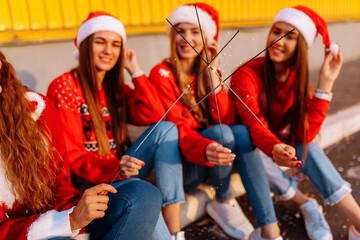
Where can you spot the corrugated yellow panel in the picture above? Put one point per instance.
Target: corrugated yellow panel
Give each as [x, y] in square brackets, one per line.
[19, 15]
[82, 10]
[123, 11]
[135, 16]
[110, 7]
[37, 14]
[96, 5]
[68, 14]
[158, 16]
[145, 12]
[5, 20]
[53, 14]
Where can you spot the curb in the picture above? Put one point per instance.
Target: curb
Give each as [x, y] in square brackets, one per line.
[335, 127]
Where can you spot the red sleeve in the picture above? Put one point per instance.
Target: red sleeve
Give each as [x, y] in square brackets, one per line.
[86, 165]
[226, 107]
[144, 105]
[192, 144]
[246, 84]
[66, 195]
[316, 114]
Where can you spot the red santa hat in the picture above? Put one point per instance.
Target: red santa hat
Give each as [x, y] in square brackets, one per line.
[209, 19]
[99, 21]
[308, 23]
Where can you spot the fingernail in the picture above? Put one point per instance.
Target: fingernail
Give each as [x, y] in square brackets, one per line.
[233, 155]
[294, 159]
[228, 150]
[143, 164]
[298, 165]
[287, 155]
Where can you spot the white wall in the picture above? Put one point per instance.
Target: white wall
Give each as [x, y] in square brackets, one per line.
[38, 64]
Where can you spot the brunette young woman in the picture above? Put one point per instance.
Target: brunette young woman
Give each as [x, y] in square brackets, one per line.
[207, 147]
[37, 198]
[96, 106]
[276, 88]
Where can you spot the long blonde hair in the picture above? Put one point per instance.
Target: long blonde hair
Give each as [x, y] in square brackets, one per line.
[201, 112]
[116, 102]
[26, 155]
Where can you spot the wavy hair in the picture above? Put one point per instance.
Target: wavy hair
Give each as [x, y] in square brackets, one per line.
[26, 155]
[201, 112]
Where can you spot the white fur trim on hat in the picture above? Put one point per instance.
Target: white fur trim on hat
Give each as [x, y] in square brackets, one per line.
[187, 14]
[300, 21]
[100, 23]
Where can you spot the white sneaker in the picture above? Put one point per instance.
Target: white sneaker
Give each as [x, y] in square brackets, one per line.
[178, 236]
[316, 225]
[230, 218]
[256, 235]
[353, 233]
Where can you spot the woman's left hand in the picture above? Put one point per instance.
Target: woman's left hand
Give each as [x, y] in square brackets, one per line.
[130, 61]
[329, 71]
[130, 166]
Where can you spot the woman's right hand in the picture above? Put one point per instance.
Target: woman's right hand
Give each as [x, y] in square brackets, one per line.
[92, 205]
[130, 166]
[284, 155]
[216, 154]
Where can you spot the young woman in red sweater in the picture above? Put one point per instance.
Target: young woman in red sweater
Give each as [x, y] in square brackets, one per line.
[96, 107]
[207, 147]
[276, 88]
[37, 199]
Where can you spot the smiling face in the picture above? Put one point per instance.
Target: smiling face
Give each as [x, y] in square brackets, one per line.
[106, 47]
[192, 34]
[284, 50]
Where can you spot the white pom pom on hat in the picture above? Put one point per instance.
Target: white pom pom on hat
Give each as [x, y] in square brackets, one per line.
[98, 21]
[208, 16]
[309, 24]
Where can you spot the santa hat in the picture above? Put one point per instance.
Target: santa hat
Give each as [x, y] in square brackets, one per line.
[209, 18]
[99, 21]
[309, 24]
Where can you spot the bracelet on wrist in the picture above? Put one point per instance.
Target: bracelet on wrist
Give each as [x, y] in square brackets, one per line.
[321, 94]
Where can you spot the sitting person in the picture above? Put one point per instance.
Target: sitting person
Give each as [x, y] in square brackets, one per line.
[37, 199]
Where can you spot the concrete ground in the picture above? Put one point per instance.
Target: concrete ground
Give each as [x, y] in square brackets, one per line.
[344, 154]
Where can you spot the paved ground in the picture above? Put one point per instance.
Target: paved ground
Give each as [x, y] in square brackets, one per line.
[345, 156]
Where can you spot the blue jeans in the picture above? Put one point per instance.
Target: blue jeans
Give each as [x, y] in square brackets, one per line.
[162, 154]
[132, 212]
[317, 167]
[253, 176]
[220, 175]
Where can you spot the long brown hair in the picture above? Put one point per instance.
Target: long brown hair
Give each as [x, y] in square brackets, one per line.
[201, 112]
[297, 117]
[26, 155]
[113, 85]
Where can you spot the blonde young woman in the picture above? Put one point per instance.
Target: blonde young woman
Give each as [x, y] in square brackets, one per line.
[276, 88]
[209, 149]
[37, 199]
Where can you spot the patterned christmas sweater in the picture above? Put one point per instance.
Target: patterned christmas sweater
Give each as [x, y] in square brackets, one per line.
[143, 108]
[192, 144]
[16, 222]
[247, 84]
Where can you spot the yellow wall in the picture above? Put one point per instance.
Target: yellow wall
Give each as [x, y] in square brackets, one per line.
[34, 20]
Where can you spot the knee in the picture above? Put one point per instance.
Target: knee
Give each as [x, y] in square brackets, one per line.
[168, 128]
[229, 139]
[143, 193]
[242, 137]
